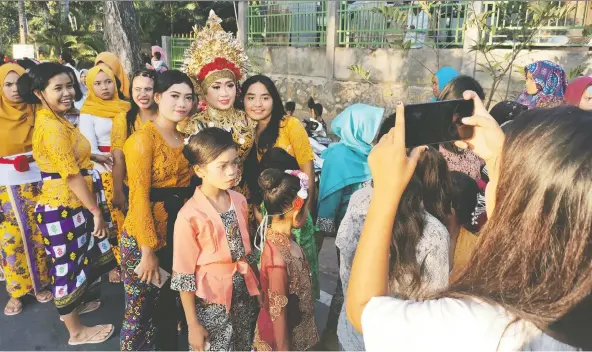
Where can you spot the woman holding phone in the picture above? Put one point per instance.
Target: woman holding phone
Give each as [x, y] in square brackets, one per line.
[511, 292]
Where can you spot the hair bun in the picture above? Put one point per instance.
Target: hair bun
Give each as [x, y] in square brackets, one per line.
[270, 179]
[25, 88]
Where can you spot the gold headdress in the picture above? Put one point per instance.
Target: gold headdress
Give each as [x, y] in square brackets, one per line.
[215, 54]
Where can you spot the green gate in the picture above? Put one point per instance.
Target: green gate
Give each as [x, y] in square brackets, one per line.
[178, 46]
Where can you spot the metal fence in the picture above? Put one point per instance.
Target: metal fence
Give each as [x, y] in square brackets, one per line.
[287, 23]
[566, 29]
[378, 24]
[178, 46]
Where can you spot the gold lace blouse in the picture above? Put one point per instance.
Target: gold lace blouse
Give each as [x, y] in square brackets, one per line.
[59, 147]
[151, 163]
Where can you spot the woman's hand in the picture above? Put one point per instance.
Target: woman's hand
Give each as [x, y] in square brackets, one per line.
[488, 138]
[390, 166]
[101, 228]
[105, 160]
[197, 337]
[147, 270]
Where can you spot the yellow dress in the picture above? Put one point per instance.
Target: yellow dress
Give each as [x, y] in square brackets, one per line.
[150, 158]
[59, 147]
[243, 133]
[21, 243]
[293, 139]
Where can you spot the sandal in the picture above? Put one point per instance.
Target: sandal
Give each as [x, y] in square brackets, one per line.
[89, 339]
[2, 274]
[115, 276]
[87, 308]
[13, 307]
[43, 296]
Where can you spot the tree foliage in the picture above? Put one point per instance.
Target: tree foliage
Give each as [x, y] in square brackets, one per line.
[81, 30]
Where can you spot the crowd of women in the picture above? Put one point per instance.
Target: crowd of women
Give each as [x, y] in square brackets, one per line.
[210, 215]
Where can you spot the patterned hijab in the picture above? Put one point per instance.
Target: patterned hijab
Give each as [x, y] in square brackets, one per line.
[550, 82]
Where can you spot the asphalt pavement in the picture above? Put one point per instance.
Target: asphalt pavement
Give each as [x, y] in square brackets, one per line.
[38, 327]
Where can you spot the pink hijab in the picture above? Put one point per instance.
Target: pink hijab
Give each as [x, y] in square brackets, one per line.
[156, 48]
[575, 90]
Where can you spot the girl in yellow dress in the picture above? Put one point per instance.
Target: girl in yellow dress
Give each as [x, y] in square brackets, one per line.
[21, 245]
[102, 122]
[71, 212]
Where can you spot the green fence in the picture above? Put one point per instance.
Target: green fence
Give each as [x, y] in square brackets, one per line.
[378, 25]
[178, 46]
[507, 19]
[287, 23]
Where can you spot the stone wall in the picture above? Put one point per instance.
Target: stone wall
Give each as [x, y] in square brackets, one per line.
[301, 72]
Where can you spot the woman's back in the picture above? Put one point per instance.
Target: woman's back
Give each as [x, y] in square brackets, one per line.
[449, 324]
[432, 251]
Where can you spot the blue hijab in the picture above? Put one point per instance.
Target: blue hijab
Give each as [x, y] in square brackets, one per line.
[445, 75]
[346, 162]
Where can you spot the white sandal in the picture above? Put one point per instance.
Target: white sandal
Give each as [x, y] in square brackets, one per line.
[88, 340]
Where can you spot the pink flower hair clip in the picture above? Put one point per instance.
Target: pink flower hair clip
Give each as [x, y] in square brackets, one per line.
[303, 192]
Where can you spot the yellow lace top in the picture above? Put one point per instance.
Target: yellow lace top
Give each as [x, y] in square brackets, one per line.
[151, 163]
[243, 132]
[119, 132]
[293, 139]
[59, 147]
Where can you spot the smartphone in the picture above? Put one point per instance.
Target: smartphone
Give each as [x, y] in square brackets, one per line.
[437, 122]
[164, 276]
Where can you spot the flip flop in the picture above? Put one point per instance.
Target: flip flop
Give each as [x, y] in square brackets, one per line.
[18, 306]
[43, 300]
[88, 308]
[88, 340]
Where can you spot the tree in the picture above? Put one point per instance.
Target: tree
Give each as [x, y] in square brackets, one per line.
[65, 13]
[121, 33]
[22, 22]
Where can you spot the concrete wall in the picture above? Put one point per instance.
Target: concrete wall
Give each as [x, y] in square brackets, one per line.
[301, 72]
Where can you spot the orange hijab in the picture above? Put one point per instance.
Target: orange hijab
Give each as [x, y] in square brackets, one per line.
[96, 106]
[16, 119]
[113, 62]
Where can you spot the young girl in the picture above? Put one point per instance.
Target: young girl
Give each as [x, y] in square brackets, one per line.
[21, 244]
[102, 122]
[286, 321]
[158, 177]
[213, 266]
[71, 212]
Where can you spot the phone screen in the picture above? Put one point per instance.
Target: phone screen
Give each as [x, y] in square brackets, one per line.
[437, 122]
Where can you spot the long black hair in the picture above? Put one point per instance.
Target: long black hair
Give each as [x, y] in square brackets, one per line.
[405, 269]
[432, 170]
[133, 111]
[37, 78]
[270, 135]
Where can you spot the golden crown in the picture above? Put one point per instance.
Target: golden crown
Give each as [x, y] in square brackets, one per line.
[214, 50]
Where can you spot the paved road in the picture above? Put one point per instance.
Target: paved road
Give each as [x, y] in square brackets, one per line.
[38, 327]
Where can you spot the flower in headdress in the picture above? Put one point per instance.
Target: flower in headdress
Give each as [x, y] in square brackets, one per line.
[219, 64]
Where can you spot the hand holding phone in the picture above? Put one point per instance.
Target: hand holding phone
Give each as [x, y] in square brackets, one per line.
[163, 276]
[437, 122]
